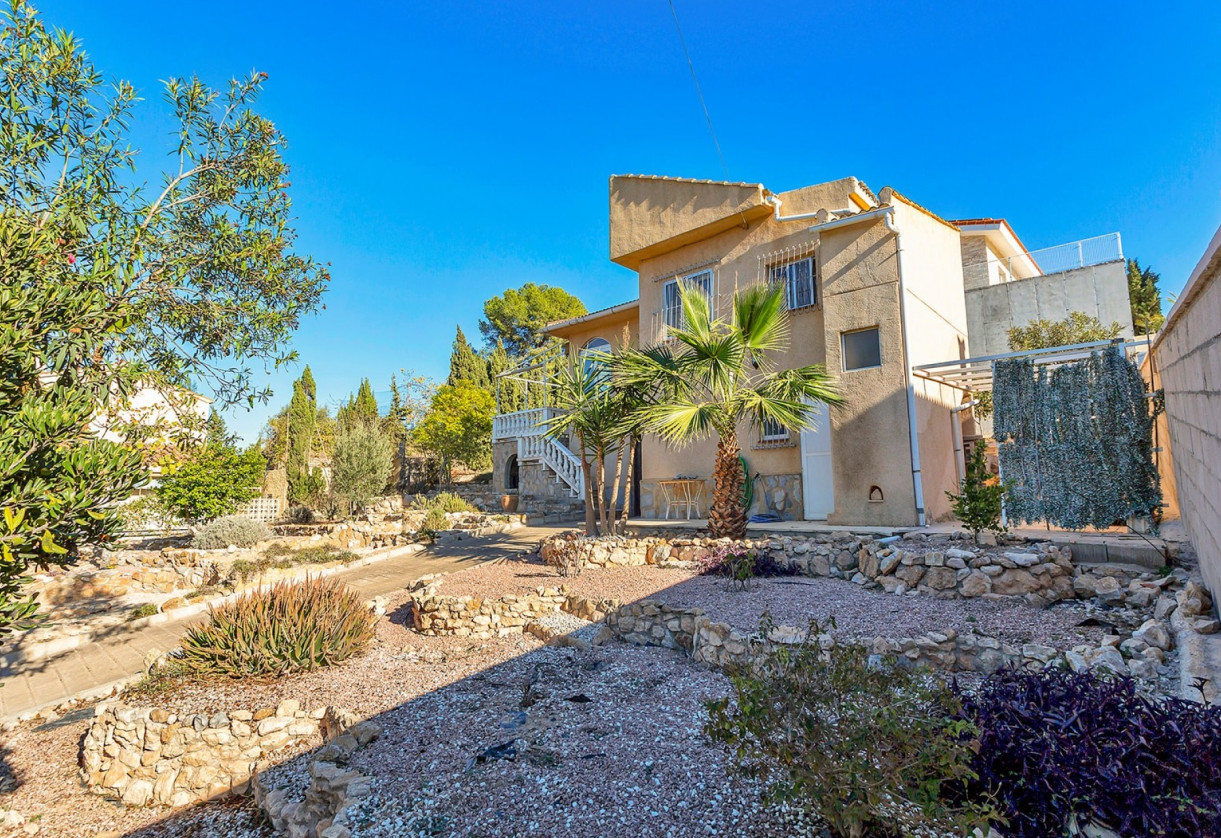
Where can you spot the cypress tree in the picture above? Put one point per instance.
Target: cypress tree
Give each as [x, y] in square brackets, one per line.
[302, 415]
[511, 396]
[364, 405]
[1145, 298]
[465, 364]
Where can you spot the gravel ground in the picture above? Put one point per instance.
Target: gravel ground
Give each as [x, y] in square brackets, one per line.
[791, 600]
[559, 742]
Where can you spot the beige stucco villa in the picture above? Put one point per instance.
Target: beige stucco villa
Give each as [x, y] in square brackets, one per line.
[876, 284]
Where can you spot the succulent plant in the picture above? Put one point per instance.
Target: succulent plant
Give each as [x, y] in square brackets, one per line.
[288, 627]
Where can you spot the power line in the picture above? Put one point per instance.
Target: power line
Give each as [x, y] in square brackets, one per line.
[698, 91]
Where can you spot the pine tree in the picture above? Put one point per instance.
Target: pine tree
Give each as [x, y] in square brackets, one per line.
[979, 505]
[1145, 298]
[465, 364]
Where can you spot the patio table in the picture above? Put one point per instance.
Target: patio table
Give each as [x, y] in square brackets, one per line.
[686, 492]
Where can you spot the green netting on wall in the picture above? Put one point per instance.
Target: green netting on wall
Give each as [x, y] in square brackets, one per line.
[1075, 441]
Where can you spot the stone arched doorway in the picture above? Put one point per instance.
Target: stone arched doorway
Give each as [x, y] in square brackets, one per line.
[512, 474]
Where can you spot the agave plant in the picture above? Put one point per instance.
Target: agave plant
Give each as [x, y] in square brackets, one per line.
[289, 627]
[719, 375]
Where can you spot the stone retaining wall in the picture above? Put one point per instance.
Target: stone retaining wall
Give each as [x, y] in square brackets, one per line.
[950, 568]
[465, 616]
[150, 756]
[321, 810]
[722, 646]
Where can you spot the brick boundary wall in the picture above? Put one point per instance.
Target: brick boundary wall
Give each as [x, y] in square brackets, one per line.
[1187, 362]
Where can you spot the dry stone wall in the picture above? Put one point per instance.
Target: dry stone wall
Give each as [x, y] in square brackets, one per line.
[334, 788]
[435, 614]
[152, 756]
[722, 646]
[1041, 573]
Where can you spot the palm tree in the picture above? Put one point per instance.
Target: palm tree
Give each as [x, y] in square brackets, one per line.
[590, 410]
[718, 375]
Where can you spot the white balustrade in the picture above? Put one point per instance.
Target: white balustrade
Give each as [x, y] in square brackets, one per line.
[523, 423]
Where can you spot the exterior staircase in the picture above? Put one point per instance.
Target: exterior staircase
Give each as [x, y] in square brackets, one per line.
[526, 426]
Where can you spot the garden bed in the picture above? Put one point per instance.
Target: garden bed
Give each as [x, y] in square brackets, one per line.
[792, 601]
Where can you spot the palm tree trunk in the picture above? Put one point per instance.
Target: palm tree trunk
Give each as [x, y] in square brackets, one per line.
[727, 518]
[600, 471]
[612, 512]
[629, 463]
[591, 522]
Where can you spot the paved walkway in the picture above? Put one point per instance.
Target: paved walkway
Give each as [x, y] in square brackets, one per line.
[94, 669]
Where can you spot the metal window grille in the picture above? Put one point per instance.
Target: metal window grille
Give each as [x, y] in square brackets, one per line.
[800, 289]
[773, 435]
[672, 304]
[772, 431]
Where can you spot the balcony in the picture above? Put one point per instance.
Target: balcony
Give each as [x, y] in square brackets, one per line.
[521, 424]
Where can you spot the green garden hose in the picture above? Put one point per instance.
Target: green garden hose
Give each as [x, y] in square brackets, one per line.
[748, 485]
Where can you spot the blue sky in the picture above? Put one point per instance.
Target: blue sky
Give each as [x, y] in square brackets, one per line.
[442, 152]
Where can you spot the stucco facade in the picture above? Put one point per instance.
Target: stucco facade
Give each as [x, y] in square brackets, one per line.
[857, 269]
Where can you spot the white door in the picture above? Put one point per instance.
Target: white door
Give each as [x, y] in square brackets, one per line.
[817, 479]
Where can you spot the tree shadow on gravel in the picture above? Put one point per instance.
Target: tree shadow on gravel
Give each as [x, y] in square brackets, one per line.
[10, 778]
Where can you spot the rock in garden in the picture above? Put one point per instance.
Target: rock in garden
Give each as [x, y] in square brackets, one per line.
[1107, 589]
[1144, 669]
[1014, 583]
[1194, 599]
[1023, 559]
[1108, 658]
[1153, 633]
[1206, 625]
[976, 584]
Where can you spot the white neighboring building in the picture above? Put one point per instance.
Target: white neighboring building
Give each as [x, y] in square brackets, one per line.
[170, 418]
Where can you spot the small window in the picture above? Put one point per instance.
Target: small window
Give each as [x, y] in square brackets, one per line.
[862, 349]
[800, 289]
[671, 302]
[773, 431]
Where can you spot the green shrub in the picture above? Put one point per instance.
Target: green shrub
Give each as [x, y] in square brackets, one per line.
[285, 628]
[145, 512]
[215, 483]
[871, 747]
[299, 515]
[236, 530]
[280, 556]
[445, 501]
[981, 503]
[434, 522]
[144, 609]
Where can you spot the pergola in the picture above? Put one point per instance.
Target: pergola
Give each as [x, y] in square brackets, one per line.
[975, 374]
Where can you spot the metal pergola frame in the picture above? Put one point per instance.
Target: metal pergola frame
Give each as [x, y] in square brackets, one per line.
[537, 361]
[975, 374]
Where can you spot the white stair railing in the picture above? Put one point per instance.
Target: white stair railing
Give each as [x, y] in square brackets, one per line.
[556, 456]
[528, 428]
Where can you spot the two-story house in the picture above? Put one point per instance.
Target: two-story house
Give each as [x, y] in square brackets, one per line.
[876, 286]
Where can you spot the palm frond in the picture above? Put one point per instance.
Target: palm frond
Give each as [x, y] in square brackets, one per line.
[681, 421]
[697, 312]
[760, 319]
[808, 383]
